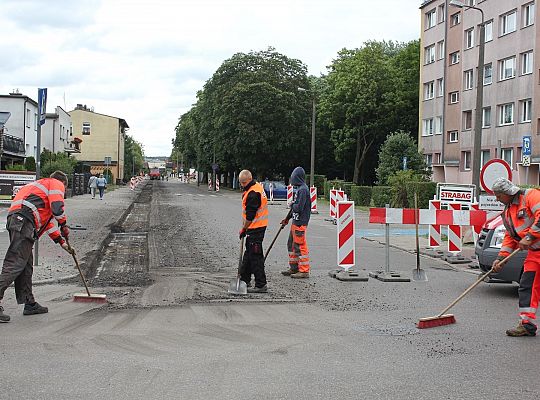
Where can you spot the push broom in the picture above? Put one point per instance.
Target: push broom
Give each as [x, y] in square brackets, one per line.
[85, 297]
[447, 319]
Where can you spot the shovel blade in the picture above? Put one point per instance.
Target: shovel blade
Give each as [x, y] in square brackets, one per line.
[237, 286]
[419, 275]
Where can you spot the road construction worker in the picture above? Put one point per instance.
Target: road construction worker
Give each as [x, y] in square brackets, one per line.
[30, 215]
[300, 213]
[521, 218]
[254, 223]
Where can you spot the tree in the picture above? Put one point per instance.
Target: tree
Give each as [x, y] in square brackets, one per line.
[398, 145]
[133, 157]
[56, 161]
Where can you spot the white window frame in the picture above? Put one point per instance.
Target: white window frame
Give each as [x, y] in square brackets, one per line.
[86, 128]
[504, 111]
[527, 63]
[441, 14]
[455, 19]
[466, 160]
[508, 22]
[486, 117]
[28, 122]
[504, 152]
[488, 31]
[429, 160]
[440, 87]
[453, 97]
[483, 160]
[469, 39]
[429, 90]
[468, 79]
[440, 50]
[504, 65]
[525, 113]
[453, 136]
[467, 120]
[437, 130]
[431, 19]
[454, 58]
[429, 54]
[427, 127]
[528, 14]
[488, 67]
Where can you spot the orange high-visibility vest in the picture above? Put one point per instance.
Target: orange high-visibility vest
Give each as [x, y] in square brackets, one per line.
[261, 217]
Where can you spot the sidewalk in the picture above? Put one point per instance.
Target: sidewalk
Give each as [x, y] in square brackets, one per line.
[90, 220]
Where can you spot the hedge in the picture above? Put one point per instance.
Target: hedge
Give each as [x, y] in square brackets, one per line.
[319, 184]
[361, 195]
[336, 184]
[381, 195]
[425, 190]
[346, 186]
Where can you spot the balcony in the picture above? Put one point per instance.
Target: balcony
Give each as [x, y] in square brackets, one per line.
[12, 145]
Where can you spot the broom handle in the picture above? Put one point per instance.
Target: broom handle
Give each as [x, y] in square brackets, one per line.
[503, 261]
[78, 267]
[273, 241]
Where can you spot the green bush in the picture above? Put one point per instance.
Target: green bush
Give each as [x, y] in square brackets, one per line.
[361, 195]
[16, 167]
[30, 163]
[59, 161]
[381, 195]
[346, 186]
[425, 190]
[319, 184]
[405, 183]
[336, 184]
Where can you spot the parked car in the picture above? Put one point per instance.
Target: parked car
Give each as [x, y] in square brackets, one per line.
[487, 249]
[279, 188]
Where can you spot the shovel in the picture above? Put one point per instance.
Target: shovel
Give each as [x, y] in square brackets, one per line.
[419, 275]
[238, 286]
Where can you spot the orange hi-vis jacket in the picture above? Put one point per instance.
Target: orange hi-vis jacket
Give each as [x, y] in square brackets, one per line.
[521, 217]
[41, 201]
[261, 217]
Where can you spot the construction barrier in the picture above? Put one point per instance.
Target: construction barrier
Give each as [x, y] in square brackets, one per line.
[132, 183]
[427, 217]
[434, 230]
[455, 244]
[333, 203]
[313, 195]
[476, 229]
[217, 185]
[290, 193]
[345, 235]
[271, 191]
[209, 183]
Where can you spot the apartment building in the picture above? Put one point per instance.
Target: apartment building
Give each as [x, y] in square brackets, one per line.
[102, 137]
[55, 133]
[448, 80]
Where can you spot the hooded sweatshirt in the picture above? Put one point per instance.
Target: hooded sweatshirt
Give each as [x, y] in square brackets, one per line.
[301, 206]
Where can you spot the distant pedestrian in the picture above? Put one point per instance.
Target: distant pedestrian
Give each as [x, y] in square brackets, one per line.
[300, 213]
[101, 183]
[92, 184]
[30, 215]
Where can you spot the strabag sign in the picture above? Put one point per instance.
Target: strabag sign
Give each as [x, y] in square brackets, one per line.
[455, 193]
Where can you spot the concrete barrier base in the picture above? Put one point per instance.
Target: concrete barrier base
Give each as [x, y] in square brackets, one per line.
[352, 276]
[431, 252]
[455, 258]
[391, 276]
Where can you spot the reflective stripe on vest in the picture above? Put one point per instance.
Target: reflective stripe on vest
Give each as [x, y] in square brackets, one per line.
[261, 217]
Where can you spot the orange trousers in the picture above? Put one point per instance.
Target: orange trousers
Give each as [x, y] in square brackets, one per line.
[529, 288]
[298, 249]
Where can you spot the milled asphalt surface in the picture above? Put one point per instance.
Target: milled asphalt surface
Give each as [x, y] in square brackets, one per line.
[181, 336]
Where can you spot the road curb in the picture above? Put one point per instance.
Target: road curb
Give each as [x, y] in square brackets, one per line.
[54, 280]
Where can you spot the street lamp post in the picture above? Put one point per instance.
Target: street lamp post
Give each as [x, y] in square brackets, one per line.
[312, 162]
[477, 143]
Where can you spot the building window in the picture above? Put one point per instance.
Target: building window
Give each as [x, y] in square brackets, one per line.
[468, 79]
[437, 158]
[506, 114]
[431, 19]
[429, 54]
[429, 90]
[86, 128]
[441, 13]
[486, 117]
[488, 31]
[525, 114]
[507, 155]
[438, 125]
[467, 120]
[27, 118]
[485, 156]
[507, 68]
[429, 160]
[453, 136]
[440, 50]
[440, 87]
[528, 14]
[427, 129]
[469, 38]
[488, 74]
[454, 57]
[466, 156]
[35, 121]
[527, 63]
[455, 19]
[508, 23]
[453, 97]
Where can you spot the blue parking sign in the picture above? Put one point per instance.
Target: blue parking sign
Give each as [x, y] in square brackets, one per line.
[42, 104]
[526, 149]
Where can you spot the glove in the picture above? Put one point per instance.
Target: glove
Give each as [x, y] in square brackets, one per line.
[284, 221]
[242, 233]
[64, 230]
[67, 248]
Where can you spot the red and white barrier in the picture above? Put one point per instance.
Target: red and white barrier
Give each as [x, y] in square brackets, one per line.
[313, 195]
[289, 195]
[217, 185]
[333, 203]
[434, 230]
[209, 183]
[132, 183]
[345, 235]
[427, 217]
[455, 244]
[476, 229]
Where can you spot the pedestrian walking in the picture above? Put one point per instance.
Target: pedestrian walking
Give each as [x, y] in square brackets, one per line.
[92, 184]
[101, 184]
[255, 221]
[30, 215]
[300, 213]
[521, 218]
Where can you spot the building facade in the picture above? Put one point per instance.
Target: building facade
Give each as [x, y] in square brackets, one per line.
[448, 83]
[102, 138]
[56, 133]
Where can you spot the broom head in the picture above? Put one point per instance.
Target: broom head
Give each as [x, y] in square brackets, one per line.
[93, 298]
[432, 322]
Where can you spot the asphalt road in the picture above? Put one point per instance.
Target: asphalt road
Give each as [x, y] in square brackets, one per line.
[171, 330]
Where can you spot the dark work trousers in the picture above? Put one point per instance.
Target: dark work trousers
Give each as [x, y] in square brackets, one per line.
[18, 262]
[253, 260]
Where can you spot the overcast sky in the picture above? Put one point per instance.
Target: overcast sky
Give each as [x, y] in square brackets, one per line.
[144, 60]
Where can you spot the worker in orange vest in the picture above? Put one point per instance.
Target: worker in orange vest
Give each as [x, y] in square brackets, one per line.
[30, 215]
[521, 218]
[254, 223]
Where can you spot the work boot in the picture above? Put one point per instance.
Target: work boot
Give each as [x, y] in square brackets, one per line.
[256, 289]
[526, 329]
[36, 308]
[3, 317]
[300, 275]
[289, 272]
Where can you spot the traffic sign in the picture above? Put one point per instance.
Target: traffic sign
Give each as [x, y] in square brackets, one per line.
[42, 104]
[526, 149]
[492, 170]
[526, 161]
[490, 203]
[455, 193]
